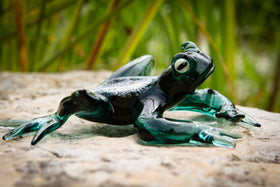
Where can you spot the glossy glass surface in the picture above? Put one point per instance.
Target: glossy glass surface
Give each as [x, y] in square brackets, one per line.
[131, 96]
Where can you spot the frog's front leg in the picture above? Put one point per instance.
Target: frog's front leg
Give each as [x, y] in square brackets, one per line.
[41, 126]
[152, 127]
[211, 102]
[79, 102]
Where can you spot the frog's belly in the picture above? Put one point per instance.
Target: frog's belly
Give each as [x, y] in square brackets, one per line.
[109, 119]
[122, 110]
[125, 108]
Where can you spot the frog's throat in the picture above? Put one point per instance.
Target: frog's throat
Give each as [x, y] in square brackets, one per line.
[209, 72]
[205, 75]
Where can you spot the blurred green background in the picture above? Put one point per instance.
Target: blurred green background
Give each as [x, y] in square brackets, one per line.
[242, 36]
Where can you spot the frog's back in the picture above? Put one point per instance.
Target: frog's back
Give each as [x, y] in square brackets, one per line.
[125, 86]
[124, 94]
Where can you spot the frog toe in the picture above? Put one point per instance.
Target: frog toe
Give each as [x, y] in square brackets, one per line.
[210, 136]
[22, 130]
[250, 121]
[222, 132]
[222, 141]
[48, 127]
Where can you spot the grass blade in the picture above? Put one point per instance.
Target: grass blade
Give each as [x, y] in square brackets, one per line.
[138, 32]
[100, 37]
[275, 87]
[229, 36]
[38, 32]
[86, 33]
[20, 25]
[31, 20]
[71, 28]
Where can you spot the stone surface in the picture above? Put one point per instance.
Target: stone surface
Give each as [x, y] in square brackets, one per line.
[83, 153]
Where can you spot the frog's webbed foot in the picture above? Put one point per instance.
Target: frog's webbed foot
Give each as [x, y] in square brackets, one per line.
[40, 126]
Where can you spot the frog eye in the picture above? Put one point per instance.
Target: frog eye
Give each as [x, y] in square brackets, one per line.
[181, 65]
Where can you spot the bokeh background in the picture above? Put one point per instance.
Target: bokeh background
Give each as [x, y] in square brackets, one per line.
[242, 36]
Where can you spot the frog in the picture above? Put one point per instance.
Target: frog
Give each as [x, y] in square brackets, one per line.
[132, 96]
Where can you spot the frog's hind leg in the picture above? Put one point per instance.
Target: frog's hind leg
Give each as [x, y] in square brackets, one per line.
[79, 101]
[154, 128]
[157, 130]
[141, 66]
[213, 103]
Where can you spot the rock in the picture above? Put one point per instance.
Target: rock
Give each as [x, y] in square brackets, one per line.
[83, 153]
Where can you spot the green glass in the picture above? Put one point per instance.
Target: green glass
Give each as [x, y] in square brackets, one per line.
[131, 96]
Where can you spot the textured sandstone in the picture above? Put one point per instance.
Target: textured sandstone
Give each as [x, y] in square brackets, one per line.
[83, 153]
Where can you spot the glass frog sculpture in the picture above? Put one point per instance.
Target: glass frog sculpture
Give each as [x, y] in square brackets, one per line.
[131, 96]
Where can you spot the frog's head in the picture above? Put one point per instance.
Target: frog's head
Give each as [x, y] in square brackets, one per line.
[192, 65]
[187, 71]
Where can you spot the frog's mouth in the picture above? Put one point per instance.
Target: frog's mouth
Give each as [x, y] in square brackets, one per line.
[204, 76]
[208, 73]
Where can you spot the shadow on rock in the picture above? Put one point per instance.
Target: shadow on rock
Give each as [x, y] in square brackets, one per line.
[97, 130]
